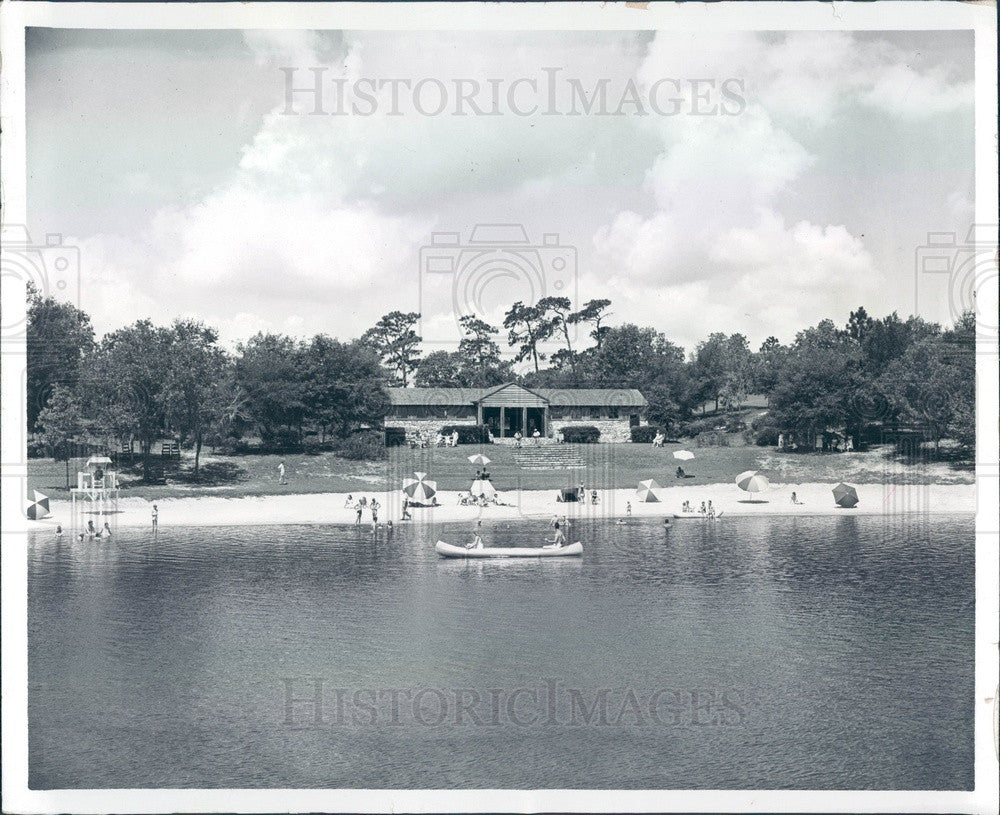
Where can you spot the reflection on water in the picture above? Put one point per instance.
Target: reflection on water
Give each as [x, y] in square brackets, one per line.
[774, 652]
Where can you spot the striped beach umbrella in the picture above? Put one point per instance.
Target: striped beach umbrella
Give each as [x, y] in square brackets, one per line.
[420, 488]
[38, 508]
[752, 481]
[683, 455]
[479, 458]
[644, 492]
[845, 495]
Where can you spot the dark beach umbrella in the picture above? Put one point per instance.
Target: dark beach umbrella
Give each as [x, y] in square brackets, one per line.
[845, 495]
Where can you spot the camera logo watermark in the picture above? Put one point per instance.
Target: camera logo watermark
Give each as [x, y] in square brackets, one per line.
[316, 91]
[966, 269]
[495, 267]
[315, 704]
[51, 266]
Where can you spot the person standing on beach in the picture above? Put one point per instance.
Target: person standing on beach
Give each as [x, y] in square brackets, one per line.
[374, 512]
[628, 508]
[406, 510]
[358, 509]
[156, 516]
[281, 472]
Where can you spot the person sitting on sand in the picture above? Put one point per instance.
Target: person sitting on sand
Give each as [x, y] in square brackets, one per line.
[558, 541]
[686, 507]
[477, 540]
[107, 529]
[593, 497]
[628, 508]
[795, 499]
[349, 501]
[434, 501]
[680, 472]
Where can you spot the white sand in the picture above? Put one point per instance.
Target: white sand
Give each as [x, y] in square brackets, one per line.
[329, 508]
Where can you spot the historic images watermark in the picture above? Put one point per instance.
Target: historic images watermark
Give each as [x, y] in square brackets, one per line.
[314, 703]
[967, 268]
[317, 91]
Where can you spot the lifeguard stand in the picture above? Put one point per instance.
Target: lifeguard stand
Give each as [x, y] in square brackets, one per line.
[96, 491]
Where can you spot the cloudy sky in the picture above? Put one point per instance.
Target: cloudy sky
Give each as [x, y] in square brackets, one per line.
[170, 160]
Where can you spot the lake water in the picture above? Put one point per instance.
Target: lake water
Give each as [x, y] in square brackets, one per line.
[830, 652]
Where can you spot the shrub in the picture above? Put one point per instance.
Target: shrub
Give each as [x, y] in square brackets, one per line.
[704, 425]
[468, 433]
[581, 434]
[281, 440]
[766, 437]
[644, 434]
[395, 436]
[364, 445]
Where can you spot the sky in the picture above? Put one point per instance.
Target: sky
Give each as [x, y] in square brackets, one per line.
[771, 180]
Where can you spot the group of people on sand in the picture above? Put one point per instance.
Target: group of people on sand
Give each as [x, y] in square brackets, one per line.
[706, 509]
[360, 506]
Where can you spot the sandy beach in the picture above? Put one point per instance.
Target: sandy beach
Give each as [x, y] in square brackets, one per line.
[334, 508]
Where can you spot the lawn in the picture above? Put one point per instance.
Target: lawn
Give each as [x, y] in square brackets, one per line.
[604, 466]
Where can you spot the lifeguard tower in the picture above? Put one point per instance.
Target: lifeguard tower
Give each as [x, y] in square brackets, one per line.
[96, 491]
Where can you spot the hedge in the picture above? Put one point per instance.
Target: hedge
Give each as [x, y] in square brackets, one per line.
[395, 436]
[468, 433]
[366, 445]
[644, 434]
[581, 434]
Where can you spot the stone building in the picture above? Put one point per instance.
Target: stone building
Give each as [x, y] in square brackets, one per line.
[511, 407]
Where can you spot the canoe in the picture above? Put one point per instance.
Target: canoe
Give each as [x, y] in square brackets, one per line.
[448, 550]
[697, 516]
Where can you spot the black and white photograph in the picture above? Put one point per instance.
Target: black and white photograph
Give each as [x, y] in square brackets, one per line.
[432, 407]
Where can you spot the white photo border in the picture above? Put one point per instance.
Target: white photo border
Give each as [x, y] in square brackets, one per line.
[16, 16]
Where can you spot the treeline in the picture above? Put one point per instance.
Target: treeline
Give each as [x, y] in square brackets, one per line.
[146, 382]
[888, 371]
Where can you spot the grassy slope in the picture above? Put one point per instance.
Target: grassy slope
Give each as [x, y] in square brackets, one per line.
[605, 466]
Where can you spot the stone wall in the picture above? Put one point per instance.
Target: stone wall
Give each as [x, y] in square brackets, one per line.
[429, 427]
[612, 430]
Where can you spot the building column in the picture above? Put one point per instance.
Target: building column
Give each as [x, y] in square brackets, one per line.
[479, 413]
[524, 422]
[502, 422]
[545, 420]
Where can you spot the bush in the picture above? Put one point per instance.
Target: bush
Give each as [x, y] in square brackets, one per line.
[468, 433]
[281, 440]
[644, 434]
[581, 434]
[365, 445]
[395, 436]
[705, 425]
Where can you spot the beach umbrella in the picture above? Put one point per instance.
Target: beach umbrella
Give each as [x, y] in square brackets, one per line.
[752, 481]
[845, 495]
[683, 455]
[419, 488]
[39, 508]
[98, 461]
[479, 458]
[644, 492]
[483, 487]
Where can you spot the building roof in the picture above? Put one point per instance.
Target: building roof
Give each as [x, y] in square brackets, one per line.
[455, 397]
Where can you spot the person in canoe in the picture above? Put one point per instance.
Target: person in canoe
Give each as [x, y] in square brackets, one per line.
[477, 540]
[559, 541]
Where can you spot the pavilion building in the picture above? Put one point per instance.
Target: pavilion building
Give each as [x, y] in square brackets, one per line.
[510, 408]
